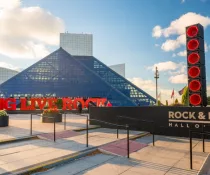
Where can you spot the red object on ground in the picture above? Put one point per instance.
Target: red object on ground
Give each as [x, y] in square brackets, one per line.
[120, 147]
[59, 135]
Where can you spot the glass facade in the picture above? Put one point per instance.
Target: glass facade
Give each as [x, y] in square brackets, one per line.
[6, 74]
[137, 95]
[77, 44]
[63, 75]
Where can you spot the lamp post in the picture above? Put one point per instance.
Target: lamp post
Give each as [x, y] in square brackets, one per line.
[156, 77]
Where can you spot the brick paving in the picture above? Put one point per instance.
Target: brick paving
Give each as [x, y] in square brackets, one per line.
[58, 135]
[120, 147]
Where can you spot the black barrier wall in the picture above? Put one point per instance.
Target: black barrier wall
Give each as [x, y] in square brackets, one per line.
[171, 121]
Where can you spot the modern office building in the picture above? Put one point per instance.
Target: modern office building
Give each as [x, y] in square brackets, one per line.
[63, 75]
[6, 74]
[119, 68]
[77, 44]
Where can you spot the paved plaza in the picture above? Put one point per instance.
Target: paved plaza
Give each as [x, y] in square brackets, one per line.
[169, 156]
[19, 125]
[15, 156]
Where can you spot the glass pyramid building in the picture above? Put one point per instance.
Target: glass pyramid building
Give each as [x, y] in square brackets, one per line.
[62, 75]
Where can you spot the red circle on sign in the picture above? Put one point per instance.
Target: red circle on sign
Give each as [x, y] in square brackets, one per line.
[194, 72]
[195, 85]
[193, 44]
[195, 99]
[192, 31]
[193, 58]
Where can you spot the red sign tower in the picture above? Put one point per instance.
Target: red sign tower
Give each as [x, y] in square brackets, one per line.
[196, 65]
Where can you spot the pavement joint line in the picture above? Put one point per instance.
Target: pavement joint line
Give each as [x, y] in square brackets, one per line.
[13, 140]
[182, 151]
[143, 163]
[139, 136]
[203, 166]
[176, 163]
[84, 129]
[108, 152]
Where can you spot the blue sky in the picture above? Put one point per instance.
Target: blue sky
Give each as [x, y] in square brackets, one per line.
[123, 32]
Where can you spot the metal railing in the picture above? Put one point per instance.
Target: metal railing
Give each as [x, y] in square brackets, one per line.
[84, 115]
[203, 137]
[31, 122]
[54, 127]
[143, 121]
[31, 125]
[112, 124]
[191, 132]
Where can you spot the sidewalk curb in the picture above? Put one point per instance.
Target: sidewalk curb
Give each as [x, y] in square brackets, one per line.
[52, 163]
[84, 129]
[139, 136]
[17, 139]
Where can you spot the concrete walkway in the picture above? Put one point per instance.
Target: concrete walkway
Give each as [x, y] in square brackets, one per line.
[19, 126]
[24, 154]
[173, 152]
[169, 156]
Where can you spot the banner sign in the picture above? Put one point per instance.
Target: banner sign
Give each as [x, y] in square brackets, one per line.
[168, 120]
[41, 103]
[186, 118]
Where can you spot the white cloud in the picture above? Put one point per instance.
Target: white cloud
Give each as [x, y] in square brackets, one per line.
[171, 45]
[143, 84]
[157, 45]
[182, 1]
[9, 3]
[150, 87]
[26, 31]
[177, 71]
[177, 26]
[178, 79]
[9, 66]
[182, 53]
[180, 70]
[27, 50]
[166, 66]
[157, 32]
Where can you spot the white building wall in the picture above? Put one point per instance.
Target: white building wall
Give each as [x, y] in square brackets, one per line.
[119, 68]
[77, 44]
[6, 74]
